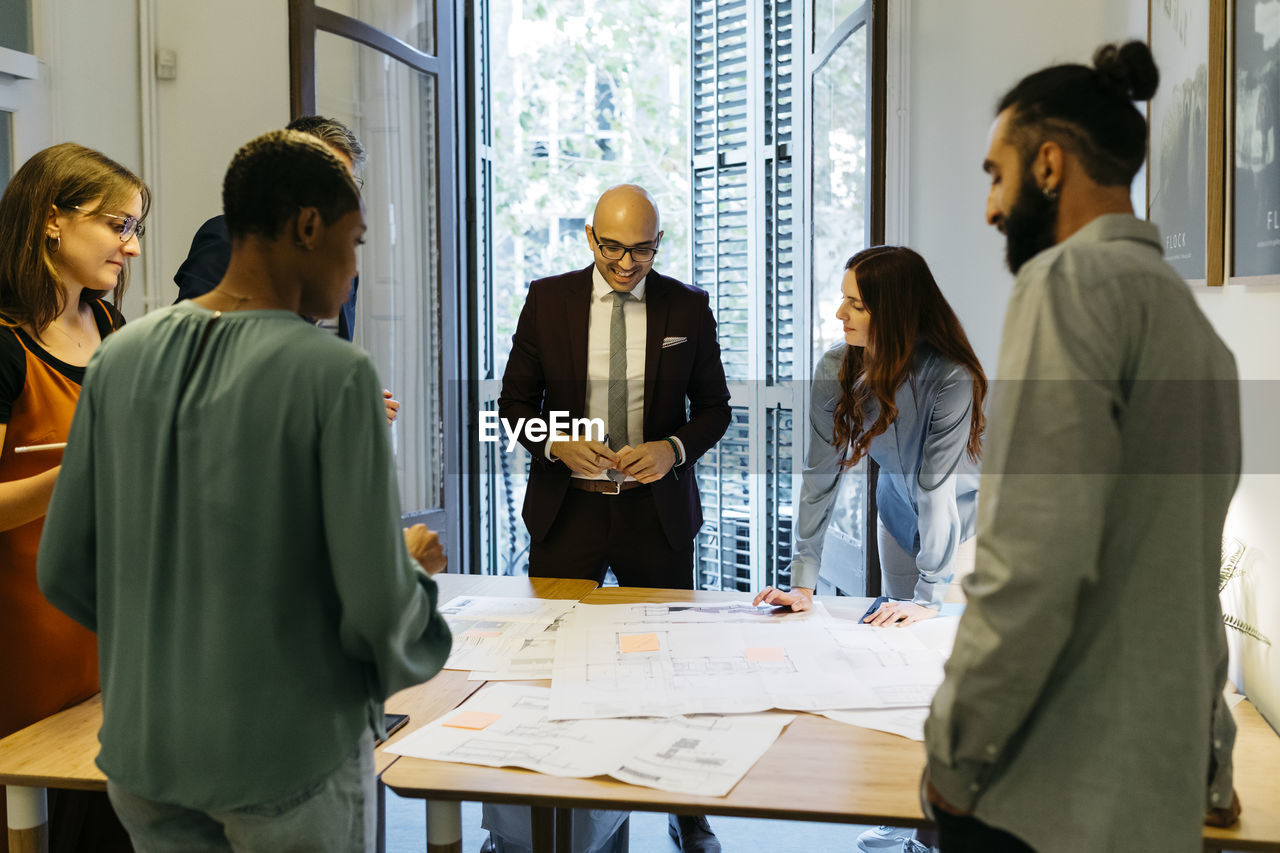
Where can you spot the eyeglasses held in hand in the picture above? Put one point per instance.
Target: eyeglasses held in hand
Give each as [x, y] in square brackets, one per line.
[128, 226]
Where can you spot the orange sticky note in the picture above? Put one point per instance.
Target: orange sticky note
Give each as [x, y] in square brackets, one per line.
[765, 653]
[474, 633]
[471, 720]
[638, 642]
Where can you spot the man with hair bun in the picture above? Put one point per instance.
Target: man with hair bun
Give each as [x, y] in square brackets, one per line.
[240, 557]
[1082, 708]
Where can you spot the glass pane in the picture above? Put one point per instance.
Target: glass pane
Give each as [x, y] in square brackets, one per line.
[571, 118]
[1256, 224]
[827, 14]
[15, 25]
[722, 549]
[1179, 139]
[411, 21]
[839, 180]
[7, 166]
[392, 108]
[778, 509]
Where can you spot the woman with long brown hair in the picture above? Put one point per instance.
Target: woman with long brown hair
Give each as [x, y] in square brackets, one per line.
[906, 389]
[70, 220]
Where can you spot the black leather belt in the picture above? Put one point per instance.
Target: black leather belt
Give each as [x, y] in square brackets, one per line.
[603, 487]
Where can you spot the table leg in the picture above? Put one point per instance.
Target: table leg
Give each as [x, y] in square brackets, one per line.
[444, 826]
[380, 836]
[544, 828]
[564, 830]
[28, 819]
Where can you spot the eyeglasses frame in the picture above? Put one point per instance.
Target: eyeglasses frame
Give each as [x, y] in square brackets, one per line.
[626, 250]
[126, 234]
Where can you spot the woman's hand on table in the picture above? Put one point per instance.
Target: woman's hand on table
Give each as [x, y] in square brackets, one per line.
[899, 614]
[799, 598]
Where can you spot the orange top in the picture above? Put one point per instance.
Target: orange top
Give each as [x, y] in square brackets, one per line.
[47, 661]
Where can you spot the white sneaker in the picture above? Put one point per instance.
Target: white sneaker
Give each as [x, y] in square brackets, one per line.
[891, 839]
[885, 839]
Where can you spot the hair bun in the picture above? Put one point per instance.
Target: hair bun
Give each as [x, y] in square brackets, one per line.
[1128, 71]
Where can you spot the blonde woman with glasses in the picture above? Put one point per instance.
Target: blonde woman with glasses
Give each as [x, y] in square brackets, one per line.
[70, 222]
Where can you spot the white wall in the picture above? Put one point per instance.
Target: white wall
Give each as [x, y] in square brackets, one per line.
[178, 135]
[89, 50]
[1246, 319]
[232, 84]
[962, 58]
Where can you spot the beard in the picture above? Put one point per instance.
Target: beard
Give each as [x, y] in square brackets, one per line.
[1030, 226]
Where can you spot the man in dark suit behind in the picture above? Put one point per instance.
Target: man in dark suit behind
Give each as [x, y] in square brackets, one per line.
[636, 349]
[210, 251]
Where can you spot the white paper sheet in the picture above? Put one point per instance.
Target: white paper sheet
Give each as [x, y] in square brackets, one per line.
[488, 631]
[669, 659]
[508, 727]
[906, 722]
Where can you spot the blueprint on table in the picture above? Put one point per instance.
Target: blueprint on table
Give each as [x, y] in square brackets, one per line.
[490, 630]
[506, 725]
[668, 659]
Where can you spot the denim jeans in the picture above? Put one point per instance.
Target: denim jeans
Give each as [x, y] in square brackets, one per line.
[337, 814]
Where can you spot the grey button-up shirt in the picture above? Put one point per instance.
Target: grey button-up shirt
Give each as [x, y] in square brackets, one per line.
[1082, 706]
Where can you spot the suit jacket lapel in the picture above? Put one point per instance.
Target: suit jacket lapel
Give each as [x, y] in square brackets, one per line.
[656, 308]
[577, 308]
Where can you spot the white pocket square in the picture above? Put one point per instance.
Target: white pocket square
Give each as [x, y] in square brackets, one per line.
[673, 342]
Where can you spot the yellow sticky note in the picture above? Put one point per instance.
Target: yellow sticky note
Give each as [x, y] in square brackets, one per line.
[638, 642]
[765, 653]
[471, 720]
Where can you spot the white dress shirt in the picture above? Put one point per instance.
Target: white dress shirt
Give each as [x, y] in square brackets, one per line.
[599, 318]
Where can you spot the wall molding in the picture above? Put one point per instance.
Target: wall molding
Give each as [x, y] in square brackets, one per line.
[150, 147]
[897, 183]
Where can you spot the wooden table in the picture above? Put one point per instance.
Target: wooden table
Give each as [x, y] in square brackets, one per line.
[818, 770]
[59, 751]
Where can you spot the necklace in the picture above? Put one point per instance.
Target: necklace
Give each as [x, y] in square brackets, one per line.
[240, 300]
[79, 343]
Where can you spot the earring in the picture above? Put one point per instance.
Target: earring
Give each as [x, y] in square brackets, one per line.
[53, 244]
[1050, 194]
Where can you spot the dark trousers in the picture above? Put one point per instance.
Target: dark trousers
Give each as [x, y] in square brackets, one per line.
[970, 835]
[594, 532]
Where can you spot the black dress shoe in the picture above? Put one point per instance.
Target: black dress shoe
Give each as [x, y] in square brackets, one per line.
[692, 833]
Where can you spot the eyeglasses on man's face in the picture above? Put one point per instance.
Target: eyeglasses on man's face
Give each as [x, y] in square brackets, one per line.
[126, 227]
[614, 252]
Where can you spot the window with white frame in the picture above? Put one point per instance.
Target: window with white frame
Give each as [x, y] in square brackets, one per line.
[755, 175]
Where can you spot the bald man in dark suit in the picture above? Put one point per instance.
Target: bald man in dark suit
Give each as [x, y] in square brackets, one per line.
[637, 350]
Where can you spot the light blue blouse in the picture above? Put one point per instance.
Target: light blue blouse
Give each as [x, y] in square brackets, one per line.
[927, 491]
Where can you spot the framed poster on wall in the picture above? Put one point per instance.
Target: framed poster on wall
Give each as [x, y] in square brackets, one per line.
[1185, 174]
[1255, 249]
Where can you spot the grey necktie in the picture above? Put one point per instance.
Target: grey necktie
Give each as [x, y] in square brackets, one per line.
[618, 374]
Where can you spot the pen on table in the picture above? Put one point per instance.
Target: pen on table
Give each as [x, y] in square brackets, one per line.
[875, 605]
[33, 448]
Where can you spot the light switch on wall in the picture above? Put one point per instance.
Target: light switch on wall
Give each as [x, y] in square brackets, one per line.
[166, 64]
